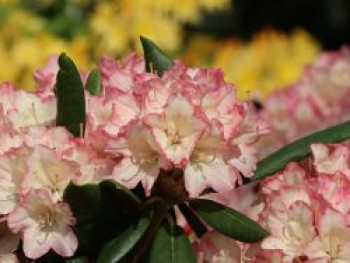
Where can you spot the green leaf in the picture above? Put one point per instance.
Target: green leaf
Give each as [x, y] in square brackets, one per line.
[70, 97]
[119, 246]
[229, 221]
[52, 257]
[156, 60]
[94, 82]
[171, 246]
[300, 149]
[196, 224]
[102, 211]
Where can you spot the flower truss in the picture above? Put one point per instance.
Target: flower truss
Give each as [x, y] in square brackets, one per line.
[305, 207]
[140, 127]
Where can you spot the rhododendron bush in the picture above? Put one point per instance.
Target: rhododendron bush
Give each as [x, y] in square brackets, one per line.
[136, 159]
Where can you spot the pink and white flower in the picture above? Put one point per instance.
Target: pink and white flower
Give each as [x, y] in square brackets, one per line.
[12, 173]
[46, 170]
[45, 225]
[333, 241]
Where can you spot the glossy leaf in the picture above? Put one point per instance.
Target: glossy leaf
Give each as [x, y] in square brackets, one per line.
[198, 227]
[300, 149]
[171, 245]
[70, 97]
[124, 241]
[102, 211]
[229, 221]
[94, 82]
[156, 60]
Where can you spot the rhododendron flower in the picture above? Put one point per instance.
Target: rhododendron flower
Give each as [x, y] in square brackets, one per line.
[331, 158]
[12, 173]
[220, 107]
[30, 110]
[47, 170]
[205, 163]
[177, 131]
[194, 121]
[141, 159]
[290, 230]
[45, 78]
[335, 189]
[55, 138]
[333, 240]
[294, 175]
[307, 208]
[45, 225]
[214, 247]
[9, 139]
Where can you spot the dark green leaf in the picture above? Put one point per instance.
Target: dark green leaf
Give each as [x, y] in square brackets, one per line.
[171, 246]
[196, 224]
[102, 211]
[156, 60]
[120, 245]
[70, 97]
[229, 221]
[300, 149]
[94, 82]
[52, 257]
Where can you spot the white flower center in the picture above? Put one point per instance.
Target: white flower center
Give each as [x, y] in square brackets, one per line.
[332, 243]
[46, 219]
[293, 233]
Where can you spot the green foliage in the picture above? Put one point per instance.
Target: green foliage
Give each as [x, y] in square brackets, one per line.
[103, 211]
[94, 82]
[70, 97]
[171, 245]
[229, 221]
[156, 60]
[124, 241]
[298, 150]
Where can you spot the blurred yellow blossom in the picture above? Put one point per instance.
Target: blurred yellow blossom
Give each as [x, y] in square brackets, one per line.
[25, 45]
[112, 27]
[270, 61]
[117, 24]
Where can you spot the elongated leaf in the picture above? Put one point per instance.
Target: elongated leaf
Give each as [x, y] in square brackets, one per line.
[171, 246]
[102, 211]
[94, 82]
[156, 60]
[52, 257]
[70, 97]
[120, 245]
[229, 221]
[198, 227]
[300, 149]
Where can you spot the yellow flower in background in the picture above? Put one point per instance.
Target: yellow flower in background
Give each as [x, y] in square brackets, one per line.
[25, 46]
[270, 61]
[117, 24]
[113, 28]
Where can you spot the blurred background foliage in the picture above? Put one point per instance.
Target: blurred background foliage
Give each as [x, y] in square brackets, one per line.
[261, 45]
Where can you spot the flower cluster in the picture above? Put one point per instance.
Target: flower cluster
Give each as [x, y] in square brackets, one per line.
[305, 208]
[141, 124]
[317, 100]
[186, 119]
[37, 162]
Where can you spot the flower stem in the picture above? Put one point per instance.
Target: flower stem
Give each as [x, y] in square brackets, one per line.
[160, 213]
